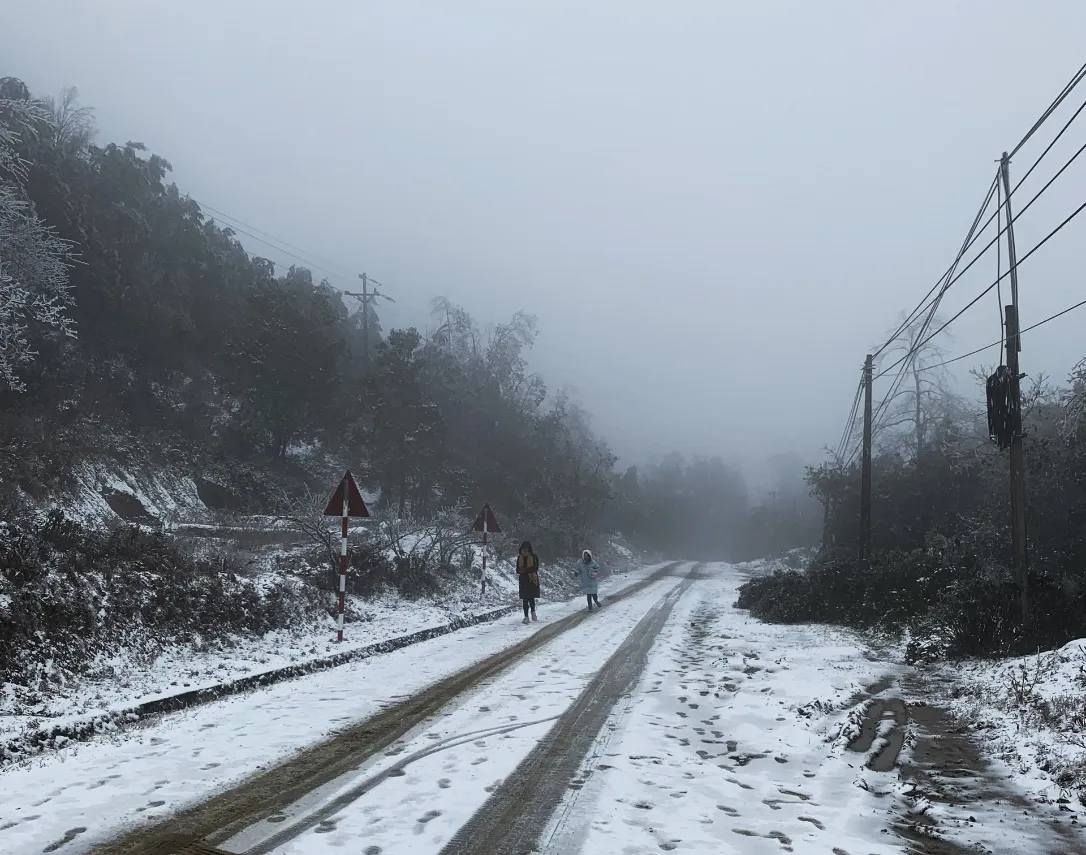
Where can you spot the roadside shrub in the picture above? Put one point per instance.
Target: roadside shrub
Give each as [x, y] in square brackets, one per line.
[953, 601]
[69, 594]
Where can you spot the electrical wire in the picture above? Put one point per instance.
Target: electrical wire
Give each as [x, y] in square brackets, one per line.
[911, 353]
[994, 241]
[921, 307]
[1049, 147]
[915, 313]
[304, 261]
[278, 240]
[999, 262]
[277, 243]
[976, 299]
[1002, 340]
[1071, 84]
[948, 278]
[850, 424]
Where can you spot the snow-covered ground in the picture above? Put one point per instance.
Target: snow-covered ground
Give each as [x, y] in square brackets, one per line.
[463, 756]
[162, 765]
[731, 743]
[122, 681]
[735, 739]
[1031, 714]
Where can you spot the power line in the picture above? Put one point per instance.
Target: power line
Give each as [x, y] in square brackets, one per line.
[914, 348]
[920, 307]
[976, 299]
[278, 240]
[1048, 148]
[240, 226]
[995, 241]
[915, 313]
[1071, 84]
[850, 425]
[949, 278]
[304, 261]
[1000, 342]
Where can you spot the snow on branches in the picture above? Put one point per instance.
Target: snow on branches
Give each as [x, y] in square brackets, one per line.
[34, 287]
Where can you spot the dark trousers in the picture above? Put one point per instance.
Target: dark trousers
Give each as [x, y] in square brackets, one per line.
[529, 605]
[593, 598]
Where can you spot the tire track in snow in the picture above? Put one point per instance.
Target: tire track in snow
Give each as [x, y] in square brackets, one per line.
[224, 815]
[513, 818]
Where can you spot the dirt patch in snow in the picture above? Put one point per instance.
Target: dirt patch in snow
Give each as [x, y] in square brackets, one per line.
[958, 801]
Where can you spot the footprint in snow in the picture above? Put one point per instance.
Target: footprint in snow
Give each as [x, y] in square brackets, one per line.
[813, 822]
[424, 819]
[69, 835]
[444, 783]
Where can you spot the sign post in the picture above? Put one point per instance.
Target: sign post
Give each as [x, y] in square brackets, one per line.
[486, 523]
[347, 502]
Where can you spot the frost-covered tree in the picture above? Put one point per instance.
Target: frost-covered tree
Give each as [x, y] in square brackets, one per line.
[34, 289]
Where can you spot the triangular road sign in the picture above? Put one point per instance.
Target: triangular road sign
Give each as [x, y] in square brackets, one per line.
[491, 521]
[355, 506]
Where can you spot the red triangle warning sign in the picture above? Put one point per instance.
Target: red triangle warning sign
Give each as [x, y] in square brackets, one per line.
[355, 506]
[491, 521]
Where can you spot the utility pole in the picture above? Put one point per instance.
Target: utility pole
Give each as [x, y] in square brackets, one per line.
[365, 324]
[865, 472]
[1018, 464]
[366, 296]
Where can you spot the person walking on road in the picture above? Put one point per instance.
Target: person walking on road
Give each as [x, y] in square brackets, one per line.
[589, 572]
[528, 577]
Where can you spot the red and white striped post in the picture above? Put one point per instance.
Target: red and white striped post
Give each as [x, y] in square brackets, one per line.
[343, 565]
[486, 522]
[346, 502]
[485, 527]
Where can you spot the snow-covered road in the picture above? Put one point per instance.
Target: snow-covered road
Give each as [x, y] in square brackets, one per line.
[88, 792]
[728, 745]
[457, 761]
[733, 738]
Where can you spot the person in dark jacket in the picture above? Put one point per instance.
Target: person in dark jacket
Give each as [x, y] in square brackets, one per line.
[528, 577]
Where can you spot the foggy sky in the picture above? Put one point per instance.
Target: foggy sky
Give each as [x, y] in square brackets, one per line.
[714, 208]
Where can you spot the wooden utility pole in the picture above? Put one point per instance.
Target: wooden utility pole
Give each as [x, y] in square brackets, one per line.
[365, 323]
[366, 296]
[1018, 464]
[865, 472]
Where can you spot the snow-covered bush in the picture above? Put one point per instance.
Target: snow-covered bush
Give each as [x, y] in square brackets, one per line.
[71, 594]
[34, 289]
